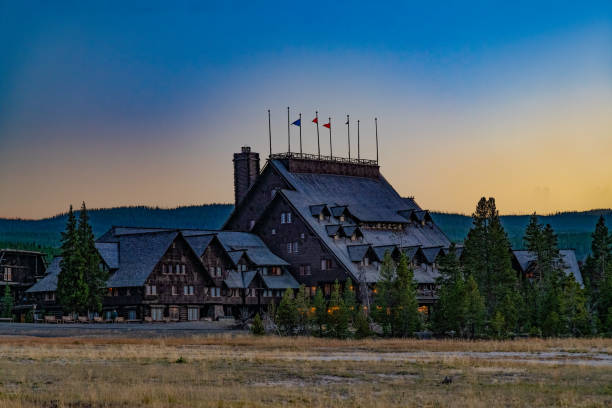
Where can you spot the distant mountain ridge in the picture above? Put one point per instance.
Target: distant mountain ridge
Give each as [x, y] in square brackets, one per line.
[574, 228]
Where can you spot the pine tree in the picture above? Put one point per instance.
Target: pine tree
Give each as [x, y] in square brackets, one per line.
[350, 301]
[95, 276]
[338, 314]
[302, 304]
[405, 312]
[575, 316]
[475, 310]
[487, 258]
[287, 315]
[385, 296]
[362, 326]
[449, 310]
[7, 303]
[258, 327]
[320, 311]
[72, 290]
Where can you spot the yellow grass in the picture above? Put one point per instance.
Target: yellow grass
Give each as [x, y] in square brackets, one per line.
[246, 371]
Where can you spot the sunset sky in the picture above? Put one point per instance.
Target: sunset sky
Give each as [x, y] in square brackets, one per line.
[145, 104]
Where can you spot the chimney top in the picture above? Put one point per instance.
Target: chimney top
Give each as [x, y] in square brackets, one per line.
[246, 149]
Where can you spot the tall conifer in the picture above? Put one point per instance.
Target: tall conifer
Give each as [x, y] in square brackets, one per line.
[72, 290]
[94, 275]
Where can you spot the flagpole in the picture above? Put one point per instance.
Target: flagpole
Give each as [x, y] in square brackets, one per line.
[331, 153]
[358, 147]
[270, 132]
[318, 140]
[348, 132]
[300, 134]
[376, 126]
[288, 132]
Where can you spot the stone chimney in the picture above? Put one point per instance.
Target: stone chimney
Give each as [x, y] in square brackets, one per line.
[246, 170]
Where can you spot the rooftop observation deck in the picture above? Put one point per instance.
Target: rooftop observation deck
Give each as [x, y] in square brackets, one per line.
[320, 164]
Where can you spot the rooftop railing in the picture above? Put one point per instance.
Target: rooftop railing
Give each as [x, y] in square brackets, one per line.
[309, 156]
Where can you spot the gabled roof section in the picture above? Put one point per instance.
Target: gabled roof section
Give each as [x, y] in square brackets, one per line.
[264, 257]
[239, 280]
[430, 254]
[284, 281]
[357, 252]
[349, 230]
[338, 210]
[380, 251]
[49, 282]
[422, 215]
[332, 230]
[139, 255]
[109, 251]
[318, 209]
[527, 259]
[199, 243]
[410, 251]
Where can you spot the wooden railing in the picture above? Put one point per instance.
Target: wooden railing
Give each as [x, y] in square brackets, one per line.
[308, 156]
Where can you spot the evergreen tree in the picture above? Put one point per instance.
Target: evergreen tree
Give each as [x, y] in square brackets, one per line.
[320, 311]
[487, 258]
[72, 290]
[94, 275]
[7, 302]
[302, 304]
[474, 315]
[384, 296]
[361, 324]
[449, 311]
[575, 316]
[338, 314]
[258, 327]
[406, 315]
[350, 301]
[287, 315]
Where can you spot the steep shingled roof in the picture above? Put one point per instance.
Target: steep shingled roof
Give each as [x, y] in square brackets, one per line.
[109, 251]
[139, 255]
[368, 200]
[570, 264]
[49, 282]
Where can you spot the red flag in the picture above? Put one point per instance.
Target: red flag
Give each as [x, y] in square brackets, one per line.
[315, 120]
[327, 125]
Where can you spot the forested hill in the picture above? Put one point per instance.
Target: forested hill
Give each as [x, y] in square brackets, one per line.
[574, 228]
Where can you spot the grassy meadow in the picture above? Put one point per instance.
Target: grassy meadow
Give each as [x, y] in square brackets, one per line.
[246, 371]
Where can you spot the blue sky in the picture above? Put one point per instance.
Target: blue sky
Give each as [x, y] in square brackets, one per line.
[151, 99]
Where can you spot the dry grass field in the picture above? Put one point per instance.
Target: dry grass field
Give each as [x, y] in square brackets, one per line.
[244, 371]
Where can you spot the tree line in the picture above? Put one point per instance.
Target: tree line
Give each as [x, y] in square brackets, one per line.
[480, 295]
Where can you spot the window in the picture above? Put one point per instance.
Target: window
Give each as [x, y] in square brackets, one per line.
[289, 247]
[191, 290]
[188, 290]
[183, 269]
[288, 218]
[157, 313]
[302, 235]
[321, 217]
[327, 289]
[174, 291]
[214, 292]
[273, 231]
[49, 296]
[150, 290]
[304, 270]
[366, 261]
[295, 247]
[174, 313]
[177, 268]
[283, 219]
[163, 268]
[275, 270]
[326, 264]
[243, 267]
[218, 271]
[131, 315]
[264, 270]
[8, 274]
[193, 313]
[341, 218]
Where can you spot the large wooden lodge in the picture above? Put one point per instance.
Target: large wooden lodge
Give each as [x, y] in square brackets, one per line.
[302, 219]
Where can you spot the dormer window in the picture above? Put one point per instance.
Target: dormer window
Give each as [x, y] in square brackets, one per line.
[321, 217]
[341, 218]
